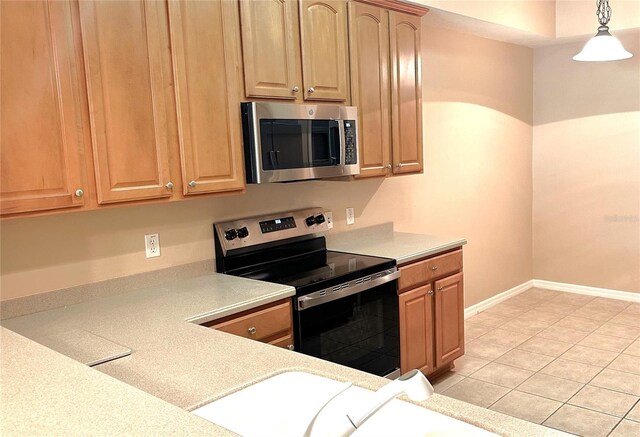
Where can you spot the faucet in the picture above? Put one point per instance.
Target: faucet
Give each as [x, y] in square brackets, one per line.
[413, 383]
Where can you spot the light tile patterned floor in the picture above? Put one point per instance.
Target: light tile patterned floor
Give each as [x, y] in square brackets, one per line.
[563, 360]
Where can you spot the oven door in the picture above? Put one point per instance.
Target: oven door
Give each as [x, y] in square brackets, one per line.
[359, 330]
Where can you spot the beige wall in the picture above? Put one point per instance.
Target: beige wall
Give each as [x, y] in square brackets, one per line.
[477, 185]
[587, 168]
[536, 17]
[578, 17]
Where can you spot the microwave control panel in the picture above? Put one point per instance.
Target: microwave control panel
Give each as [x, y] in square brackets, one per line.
[350, 146]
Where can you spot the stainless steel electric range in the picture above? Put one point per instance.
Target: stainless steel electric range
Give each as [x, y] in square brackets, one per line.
[346, 305]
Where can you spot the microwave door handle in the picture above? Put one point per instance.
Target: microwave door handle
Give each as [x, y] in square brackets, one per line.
[273, 157]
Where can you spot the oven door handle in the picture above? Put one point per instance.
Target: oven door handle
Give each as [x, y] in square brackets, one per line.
[347, 289]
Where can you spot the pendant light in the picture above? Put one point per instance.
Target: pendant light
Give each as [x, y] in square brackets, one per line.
[603, 46]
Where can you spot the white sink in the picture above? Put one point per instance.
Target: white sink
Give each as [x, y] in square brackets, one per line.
[284, 405]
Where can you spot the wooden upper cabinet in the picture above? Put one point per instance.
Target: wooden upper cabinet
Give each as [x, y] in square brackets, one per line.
[123, 50]
[449, 319]
[40, 121]
[406, 92]
[206, 85]
[325, 53]
[369, 47]
[269, 45]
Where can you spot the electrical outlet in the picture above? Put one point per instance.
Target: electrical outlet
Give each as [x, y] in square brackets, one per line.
[351, 217]
[152, 245]
[329, 216]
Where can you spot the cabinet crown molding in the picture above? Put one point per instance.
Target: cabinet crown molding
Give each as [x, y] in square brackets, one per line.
[399, 6]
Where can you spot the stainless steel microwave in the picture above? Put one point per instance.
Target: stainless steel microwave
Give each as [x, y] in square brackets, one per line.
[291, 142]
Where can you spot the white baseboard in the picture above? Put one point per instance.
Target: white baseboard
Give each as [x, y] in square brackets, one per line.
[494, 300]
[590, 291]
[549, 285]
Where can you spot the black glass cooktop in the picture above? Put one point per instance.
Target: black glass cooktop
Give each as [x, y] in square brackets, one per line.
[305, 265]
[325, 268]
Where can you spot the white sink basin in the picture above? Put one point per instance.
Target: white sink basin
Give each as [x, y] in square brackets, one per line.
[285, 404]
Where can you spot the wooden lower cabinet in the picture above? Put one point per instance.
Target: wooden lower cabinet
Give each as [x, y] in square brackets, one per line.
[416, 330]
[449, 319]
[271, 323]
[431, 313]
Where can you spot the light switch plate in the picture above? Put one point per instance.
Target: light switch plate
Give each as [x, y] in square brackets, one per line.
[351, 217]
[152, 245]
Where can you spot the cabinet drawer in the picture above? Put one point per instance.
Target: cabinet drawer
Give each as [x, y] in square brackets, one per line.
[421, 272]
[259, 324]
[285, 342]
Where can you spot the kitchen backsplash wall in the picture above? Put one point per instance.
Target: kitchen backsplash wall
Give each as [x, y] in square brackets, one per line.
[587, 168]
[477, 185]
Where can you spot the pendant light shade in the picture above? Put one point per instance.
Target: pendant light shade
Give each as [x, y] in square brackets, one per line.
[603, 46]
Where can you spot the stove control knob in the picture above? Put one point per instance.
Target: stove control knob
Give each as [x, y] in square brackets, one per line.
[243, 232]
[311, 220]
[231, 234]
[320, 219]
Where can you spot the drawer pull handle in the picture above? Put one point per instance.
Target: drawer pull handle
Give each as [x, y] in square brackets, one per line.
[252, 330]
[290, 347]
[434, 268]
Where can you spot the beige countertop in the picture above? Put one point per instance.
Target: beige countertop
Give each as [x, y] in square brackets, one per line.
[174, 366]
[382, 240]
[46, 393]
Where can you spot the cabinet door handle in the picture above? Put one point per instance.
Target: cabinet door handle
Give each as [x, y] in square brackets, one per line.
[252, 330]
[388, 166]
[192, 184]
[290, 347]
[441, 288]
[79, 192]
[295, 89]
[430, 292]
[434, 268]
[311, 90]
[169, 185]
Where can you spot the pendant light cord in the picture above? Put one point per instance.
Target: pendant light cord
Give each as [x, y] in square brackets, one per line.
[603, 12]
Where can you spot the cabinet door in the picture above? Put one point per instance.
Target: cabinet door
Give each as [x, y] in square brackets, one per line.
[416, 330]
[323, 37]
[449, 316]
[206, 85]
[123, 57]
[40, 122]
[271, 59]
[369, 48]
[406, 93]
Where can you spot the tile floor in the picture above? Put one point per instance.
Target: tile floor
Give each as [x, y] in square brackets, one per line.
[563, 360]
